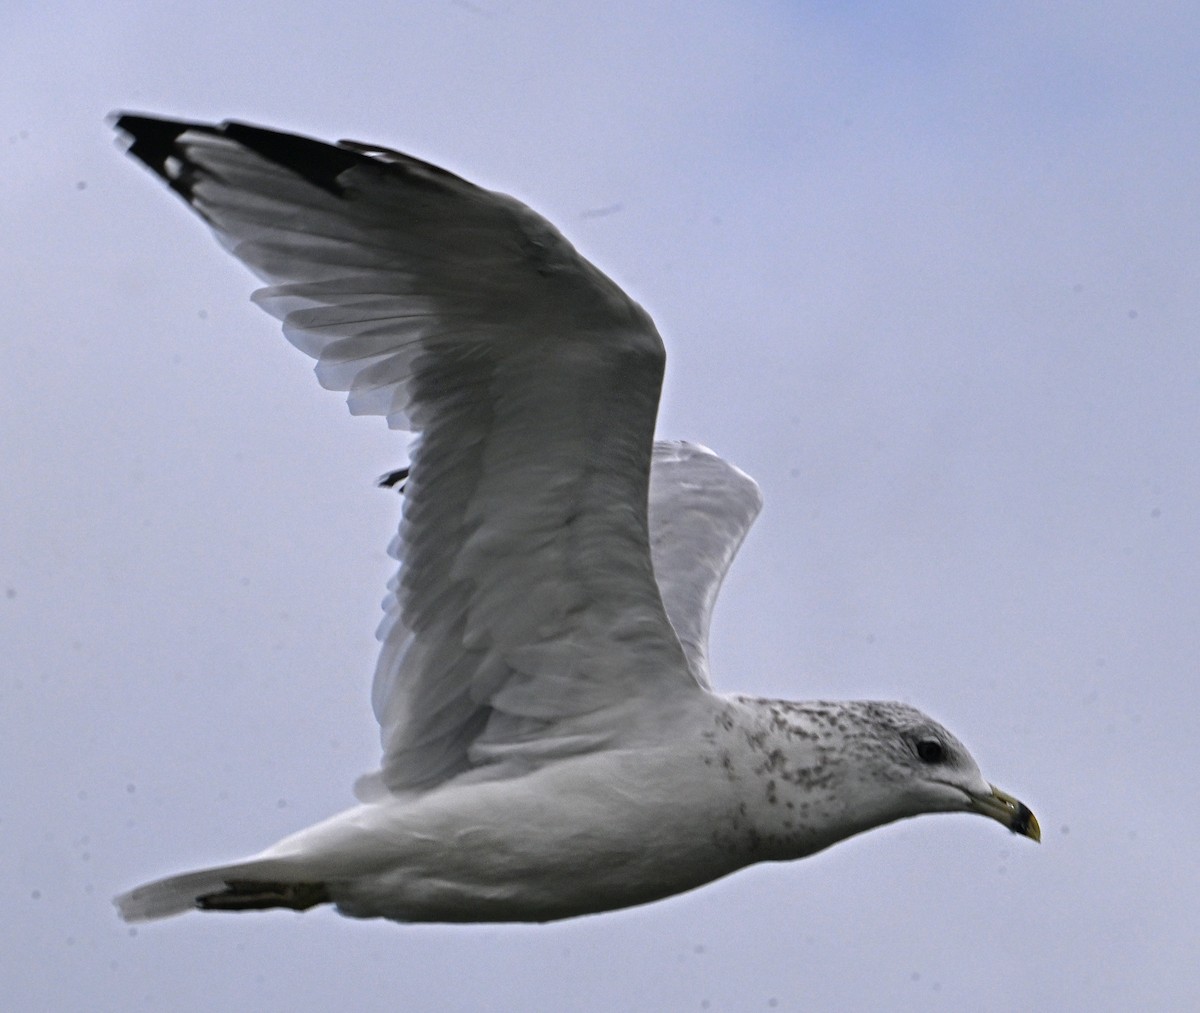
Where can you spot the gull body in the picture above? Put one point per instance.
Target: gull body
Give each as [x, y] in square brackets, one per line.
[552, 743]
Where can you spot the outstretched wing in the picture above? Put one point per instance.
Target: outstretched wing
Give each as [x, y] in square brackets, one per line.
[526, 617]
[701, 508]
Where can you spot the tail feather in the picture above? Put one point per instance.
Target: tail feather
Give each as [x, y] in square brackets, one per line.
[242, 886]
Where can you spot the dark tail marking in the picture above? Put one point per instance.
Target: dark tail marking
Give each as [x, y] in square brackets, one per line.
[256, 895]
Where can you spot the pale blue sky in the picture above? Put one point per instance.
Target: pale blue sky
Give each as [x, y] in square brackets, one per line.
[927, 271]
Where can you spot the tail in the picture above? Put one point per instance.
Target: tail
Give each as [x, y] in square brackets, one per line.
[253, 885]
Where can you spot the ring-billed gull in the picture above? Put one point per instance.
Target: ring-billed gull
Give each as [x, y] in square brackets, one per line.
[551, 743]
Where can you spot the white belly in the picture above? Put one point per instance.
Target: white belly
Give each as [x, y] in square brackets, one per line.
[585, 835]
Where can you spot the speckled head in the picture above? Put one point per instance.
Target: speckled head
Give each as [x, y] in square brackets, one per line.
[926, 766]
[873, 762]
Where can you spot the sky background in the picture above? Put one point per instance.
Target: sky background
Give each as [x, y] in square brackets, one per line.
[929, 272]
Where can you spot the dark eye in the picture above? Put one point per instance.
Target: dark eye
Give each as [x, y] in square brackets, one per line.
[931, 751]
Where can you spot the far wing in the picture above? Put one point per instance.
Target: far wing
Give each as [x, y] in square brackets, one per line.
[526, 614]
[701, 508]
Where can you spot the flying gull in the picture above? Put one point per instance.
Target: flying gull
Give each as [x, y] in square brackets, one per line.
[552, 746]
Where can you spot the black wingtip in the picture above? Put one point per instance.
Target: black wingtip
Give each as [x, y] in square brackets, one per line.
[152, 138]
[316, 161]
[153, 141]
[394, 479]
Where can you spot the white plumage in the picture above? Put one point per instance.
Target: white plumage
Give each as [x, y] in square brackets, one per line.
[551, 745]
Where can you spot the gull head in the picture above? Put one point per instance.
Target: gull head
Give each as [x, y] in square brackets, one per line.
[903, 763]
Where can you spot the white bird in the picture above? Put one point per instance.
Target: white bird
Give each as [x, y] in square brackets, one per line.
[551, 743]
